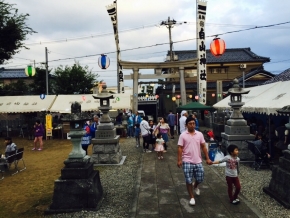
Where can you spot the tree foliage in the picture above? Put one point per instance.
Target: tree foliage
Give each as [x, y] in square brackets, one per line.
[14, 89]
[39, 82]
[75, 79]
[13, 31]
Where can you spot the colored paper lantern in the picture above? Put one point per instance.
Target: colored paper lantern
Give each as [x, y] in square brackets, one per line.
[168, 96]
[213, 94]
[217, 47]
[190, 96]
[156, 96]
[42, 96]
[104, 62]
[173, 99]
[196, 97]
[178, 96]
[30, 71]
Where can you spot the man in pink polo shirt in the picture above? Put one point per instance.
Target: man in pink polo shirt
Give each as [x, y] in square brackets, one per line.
[190, 144]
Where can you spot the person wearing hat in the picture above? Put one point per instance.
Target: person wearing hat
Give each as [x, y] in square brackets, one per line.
[94, 126]
[182, 120]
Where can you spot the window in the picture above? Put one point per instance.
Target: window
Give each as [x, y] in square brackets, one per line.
[219, 70]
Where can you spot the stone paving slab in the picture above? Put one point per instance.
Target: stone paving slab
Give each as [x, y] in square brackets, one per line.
[162, 191]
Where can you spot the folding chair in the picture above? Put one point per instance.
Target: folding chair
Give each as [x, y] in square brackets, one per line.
[2, 170]
[18, 157]
[9, 161]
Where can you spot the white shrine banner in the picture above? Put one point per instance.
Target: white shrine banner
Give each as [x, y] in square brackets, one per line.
[201, 51]
[112, 11]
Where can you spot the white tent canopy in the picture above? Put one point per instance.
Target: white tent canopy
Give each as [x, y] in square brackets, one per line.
[25, 104]
[262, 99]
[63, 103]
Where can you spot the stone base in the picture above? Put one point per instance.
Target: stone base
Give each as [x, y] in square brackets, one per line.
[71, 195]
[244, 153]
[279, 187]
[106, 151]
[274, 195]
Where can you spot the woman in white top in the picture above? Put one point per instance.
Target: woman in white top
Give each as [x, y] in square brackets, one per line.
[145, 132]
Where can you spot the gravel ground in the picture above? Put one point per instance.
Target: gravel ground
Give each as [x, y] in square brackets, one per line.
[252, 183]
[119, 184]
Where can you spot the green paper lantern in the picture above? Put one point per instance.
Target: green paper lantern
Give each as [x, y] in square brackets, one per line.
[30, 71]
[168, 96]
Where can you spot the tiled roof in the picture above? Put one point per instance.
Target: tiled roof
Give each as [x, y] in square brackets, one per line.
[231, 55]
[255, 71]
[12, 73]
[284, 76]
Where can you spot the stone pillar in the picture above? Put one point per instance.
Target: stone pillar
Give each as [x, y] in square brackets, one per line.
[79, 186]
[135, 89]
[279, 187]
[236, 129]
[182, 86]
[106, 147]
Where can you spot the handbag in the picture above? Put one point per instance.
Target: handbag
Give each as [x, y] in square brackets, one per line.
[219, 156]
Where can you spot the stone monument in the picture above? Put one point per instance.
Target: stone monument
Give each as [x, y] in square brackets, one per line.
[279, 187]
[236, 128]
[106, 147]
[79, 186]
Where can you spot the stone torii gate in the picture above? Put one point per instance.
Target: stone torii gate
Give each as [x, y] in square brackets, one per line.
[157, 66]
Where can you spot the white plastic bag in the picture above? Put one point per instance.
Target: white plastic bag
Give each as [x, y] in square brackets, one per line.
[219, 156]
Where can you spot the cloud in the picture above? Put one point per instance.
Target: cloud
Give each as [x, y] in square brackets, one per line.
[74, 19]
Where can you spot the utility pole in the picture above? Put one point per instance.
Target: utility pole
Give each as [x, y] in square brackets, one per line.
[46, 67]
[169, 24]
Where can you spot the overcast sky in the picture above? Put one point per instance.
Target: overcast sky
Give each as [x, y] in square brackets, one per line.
[76, 28]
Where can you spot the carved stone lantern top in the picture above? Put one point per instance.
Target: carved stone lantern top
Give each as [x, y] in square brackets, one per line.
[236, 92]
[76, 116]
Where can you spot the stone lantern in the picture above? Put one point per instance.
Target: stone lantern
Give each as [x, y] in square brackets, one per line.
[106, 147]
[79, 186]
[236, 129]
[279, 185]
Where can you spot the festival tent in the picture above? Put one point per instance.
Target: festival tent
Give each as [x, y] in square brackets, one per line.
[25, 104]
[63, 103]
[262, 99]
[195, 106]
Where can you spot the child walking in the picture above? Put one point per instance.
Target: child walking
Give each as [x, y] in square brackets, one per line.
[137, 134]
[159, 146]
[232, 170]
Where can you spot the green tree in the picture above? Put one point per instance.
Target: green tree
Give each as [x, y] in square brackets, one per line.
[75, 79]
[39, 82]
[13, 31]
[16, 88]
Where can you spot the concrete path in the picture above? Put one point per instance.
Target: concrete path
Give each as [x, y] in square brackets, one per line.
[162, 191]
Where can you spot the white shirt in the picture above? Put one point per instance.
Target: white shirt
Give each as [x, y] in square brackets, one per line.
[144, 126]
[182, 124]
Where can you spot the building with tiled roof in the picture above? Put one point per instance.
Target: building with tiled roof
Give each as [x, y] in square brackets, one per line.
[234, 63]
[284, 76]
[8, 76]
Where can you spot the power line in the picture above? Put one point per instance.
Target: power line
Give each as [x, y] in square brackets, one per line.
[185, 40]
[138, 28]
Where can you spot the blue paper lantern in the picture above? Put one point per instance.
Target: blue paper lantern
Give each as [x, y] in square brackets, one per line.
[104, 62]
[42, 96]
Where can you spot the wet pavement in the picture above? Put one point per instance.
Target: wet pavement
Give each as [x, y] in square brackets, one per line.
[162, 191]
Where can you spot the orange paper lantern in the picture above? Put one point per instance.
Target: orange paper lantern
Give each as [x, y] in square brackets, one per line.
[217, 47]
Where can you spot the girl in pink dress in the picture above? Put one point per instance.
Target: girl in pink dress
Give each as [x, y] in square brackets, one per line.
[159, 146]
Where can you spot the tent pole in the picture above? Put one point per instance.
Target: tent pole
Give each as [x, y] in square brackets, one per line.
[270, 137]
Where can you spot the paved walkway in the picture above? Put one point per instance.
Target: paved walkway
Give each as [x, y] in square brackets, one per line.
[162, 192]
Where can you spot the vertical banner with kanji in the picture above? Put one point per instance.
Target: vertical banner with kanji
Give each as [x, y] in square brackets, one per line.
[201, 51]
[112, 11]
[48, 125]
